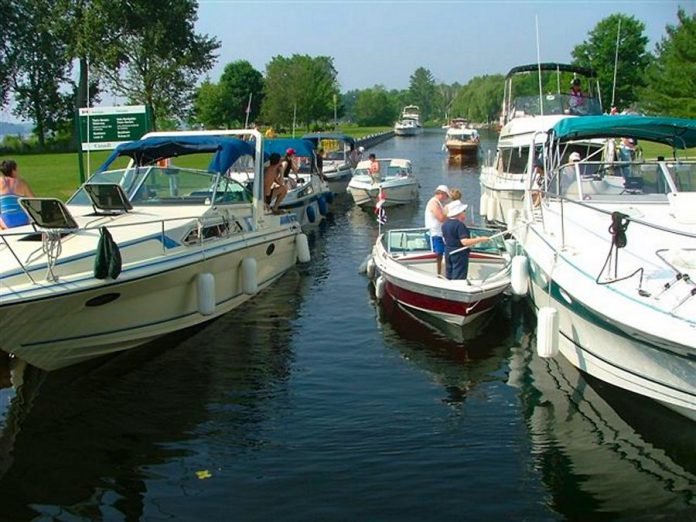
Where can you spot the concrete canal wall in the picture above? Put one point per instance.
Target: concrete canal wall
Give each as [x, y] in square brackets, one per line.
[373, 139]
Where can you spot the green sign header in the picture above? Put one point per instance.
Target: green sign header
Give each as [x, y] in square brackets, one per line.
[104, 128]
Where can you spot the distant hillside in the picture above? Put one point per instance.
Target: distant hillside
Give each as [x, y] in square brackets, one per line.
[14, 128]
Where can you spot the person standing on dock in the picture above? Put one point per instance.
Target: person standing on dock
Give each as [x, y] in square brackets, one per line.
[434, 218]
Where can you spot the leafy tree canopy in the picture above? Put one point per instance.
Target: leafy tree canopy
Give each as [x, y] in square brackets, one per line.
[300, 88]
[423, 92]
[671, 79]
[376, 106]
[599, 52]
[157, 57]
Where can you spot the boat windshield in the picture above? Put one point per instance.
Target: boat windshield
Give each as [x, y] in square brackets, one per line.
[555, 104]
[154, 185]
[417, 240]
[647, 181]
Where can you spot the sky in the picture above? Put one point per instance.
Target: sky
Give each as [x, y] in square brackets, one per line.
[384, 41]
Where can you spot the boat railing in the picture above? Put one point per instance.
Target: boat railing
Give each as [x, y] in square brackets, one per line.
[51, 238]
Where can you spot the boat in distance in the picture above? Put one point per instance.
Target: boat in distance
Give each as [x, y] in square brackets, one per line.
[141, 251]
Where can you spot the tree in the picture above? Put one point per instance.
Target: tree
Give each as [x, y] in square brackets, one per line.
[299, 88]
[237, 82]
[376, 106]
[36, 50]
[480, 99]
[157, 57]
[208, 107]
[599, 52]
[423, 92]
[671, 78]
[8, 15]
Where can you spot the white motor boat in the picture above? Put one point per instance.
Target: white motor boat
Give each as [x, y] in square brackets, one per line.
[615, 265]
[337, 169]
[406, 269]
[395, 181]
[309, 196]
[524, 116]
[409, 123]
[141, 251]
[462, 140]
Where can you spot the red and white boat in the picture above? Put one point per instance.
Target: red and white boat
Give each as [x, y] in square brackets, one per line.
[405, 268]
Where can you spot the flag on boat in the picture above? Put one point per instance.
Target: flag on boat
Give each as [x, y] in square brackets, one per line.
[379, 208]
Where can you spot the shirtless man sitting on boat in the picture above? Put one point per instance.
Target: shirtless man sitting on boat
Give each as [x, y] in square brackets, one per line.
[273, 183]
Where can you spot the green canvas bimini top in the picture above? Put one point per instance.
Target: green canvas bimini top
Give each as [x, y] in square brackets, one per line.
[679, 133]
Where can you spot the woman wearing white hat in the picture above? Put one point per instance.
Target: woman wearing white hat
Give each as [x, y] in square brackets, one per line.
[457, 235]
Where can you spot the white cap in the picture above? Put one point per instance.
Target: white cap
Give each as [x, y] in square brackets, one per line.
[455, 208]
[575, 156]
[442, 188]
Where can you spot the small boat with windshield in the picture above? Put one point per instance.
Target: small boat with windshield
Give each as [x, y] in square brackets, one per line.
[162, 243]
[405, 268]
[395, 181]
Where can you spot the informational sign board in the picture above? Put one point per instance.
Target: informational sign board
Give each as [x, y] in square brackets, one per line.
[104, 128]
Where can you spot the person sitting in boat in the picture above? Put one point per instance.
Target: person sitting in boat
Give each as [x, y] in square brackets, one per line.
[373, 169]
[577, 97]
[12, 187]
[273, 183]
[456, 235]
[435, 216]
[288, 166]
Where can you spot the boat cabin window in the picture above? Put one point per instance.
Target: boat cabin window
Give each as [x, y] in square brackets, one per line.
[513, 160]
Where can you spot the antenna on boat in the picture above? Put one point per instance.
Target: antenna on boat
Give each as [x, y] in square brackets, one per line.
[616, 63]
[248, 110]
[541, 97]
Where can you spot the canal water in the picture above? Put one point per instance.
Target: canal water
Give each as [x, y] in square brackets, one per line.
[313, 402]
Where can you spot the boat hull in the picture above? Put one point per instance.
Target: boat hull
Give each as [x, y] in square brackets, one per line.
[365, 196]
[604, 346]
[90, 320]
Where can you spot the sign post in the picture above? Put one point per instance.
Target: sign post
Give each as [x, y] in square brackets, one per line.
[105, 128]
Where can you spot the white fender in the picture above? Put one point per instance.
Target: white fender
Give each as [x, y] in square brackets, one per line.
[371, 268]
[547, 332]
[491, 208]
[519, 275]
[302, 244]
[483, 204]
[250, 284]
[205, 291]
[513, 216]
[380, 287]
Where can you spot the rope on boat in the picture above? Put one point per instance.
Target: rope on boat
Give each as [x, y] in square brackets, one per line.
[617, 229]
[52, 247]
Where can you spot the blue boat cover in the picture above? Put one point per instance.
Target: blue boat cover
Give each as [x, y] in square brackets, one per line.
[280, 145]
[316, 136]
[148, 151]
[679, 133]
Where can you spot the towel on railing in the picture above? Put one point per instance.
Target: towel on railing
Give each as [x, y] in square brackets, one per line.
[107, 262]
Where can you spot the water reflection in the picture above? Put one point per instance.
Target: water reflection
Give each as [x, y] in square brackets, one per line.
[89, 437]
[601, 454]
[459, 358]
